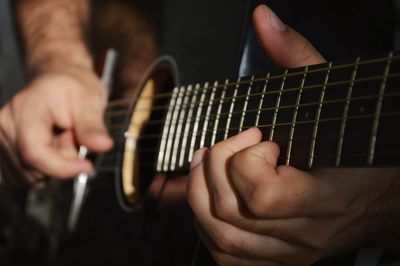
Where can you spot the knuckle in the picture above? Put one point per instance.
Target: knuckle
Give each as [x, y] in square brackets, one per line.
[226, 241]
[263, 202]
[244, 156]
[220, 149]
[215, 150]
[225, 210]
[239, 162]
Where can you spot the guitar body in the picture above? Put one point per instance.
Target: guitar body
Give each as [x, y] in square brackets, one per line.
[198, 41]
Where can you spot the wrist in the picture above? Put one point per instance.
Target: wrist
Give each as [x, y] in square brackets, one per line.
[55, 58]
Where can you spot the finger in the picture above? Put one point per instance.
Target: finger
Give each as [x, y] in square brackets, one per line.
[89, 124]
[226, 237]
[9, 154]
[285, 46]
[274, 192]
[37, 149]
[48, 160]
[223, 258]
[65, 143]
[224, 197]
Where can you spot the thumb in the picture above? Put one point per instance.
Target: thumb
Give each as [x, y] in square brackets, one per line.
[285, 46]
[90, 130]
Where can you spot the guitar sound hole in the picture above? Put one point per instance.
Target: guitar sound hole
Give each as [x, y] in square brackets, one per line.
[142, 136]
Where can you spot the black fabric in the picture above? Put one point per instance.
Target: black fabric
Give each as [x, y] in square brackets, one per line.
[339, 29]
[11, 70]
[207, 37]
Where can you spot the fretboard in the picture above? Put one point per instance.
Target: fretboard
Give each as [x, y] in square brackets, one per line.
[330, 115]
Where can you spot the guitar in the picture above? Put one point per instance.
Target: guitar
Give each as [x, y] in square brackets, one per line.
[332, 115]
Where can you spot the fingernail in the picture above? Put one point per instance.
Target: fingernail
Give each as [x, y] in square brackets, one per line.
[197, 158]
[274, 20]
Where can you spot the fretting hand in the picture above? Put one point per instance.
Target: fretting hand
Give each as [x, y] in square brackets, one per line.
[250, 211]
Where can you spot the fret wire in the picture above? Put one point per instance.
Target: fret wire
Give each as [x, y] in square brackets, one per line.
[208, 112]
[218, 114]
[296, 89]
[334, 119]
[294, 119]
[315, 130]
[345, 113]
[300, 73]
[178, 134]
[187, 125]
[278, 102]
[387, 95]
[378, 111]
[245, 104]
[196, 123]
[168, 154]
[262, 100]
[166, 129]
[228, 122]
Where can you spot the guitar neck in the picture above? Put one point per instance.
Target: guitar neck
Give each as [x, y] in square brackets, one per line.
[330, 115]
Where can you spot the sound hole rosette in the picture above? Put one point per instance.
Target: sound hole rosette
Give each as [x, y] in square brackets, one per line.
[132, 180]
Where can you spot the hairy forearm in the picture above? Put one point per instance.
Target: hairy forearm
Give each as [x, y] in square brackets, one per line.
[53, 32]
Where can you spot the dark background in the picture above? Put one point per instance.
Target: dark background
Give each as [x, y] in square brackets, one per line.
[11, 73]
[24, 232]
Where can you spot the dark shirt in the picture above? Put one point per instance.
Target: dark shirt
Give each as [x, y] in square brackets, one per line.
[207, 37]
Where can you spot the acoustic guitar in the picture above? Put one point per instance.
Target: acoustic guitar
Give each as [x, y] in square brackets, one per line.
[330, 115]
[338, 114]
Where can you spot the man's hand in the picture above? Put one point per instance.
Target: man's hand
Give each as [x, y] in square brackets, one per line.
[41, 128]
[62, 107]
[250, 211]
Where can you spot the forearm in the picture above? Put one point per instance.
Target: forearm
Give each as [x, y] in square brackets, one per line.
[54, 34]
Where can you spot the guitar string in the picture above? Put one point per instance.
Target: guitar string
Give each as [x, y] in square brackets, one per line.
[324, 156]
[333, 119]
[298, 139]
[114, 103]
[294, 157]
[202, 118]
[165, 181]
[121, 113]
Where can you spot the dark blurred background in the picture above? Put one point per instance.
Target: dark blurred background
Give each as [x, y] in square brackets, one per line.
[11, 73]
[30, 230]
